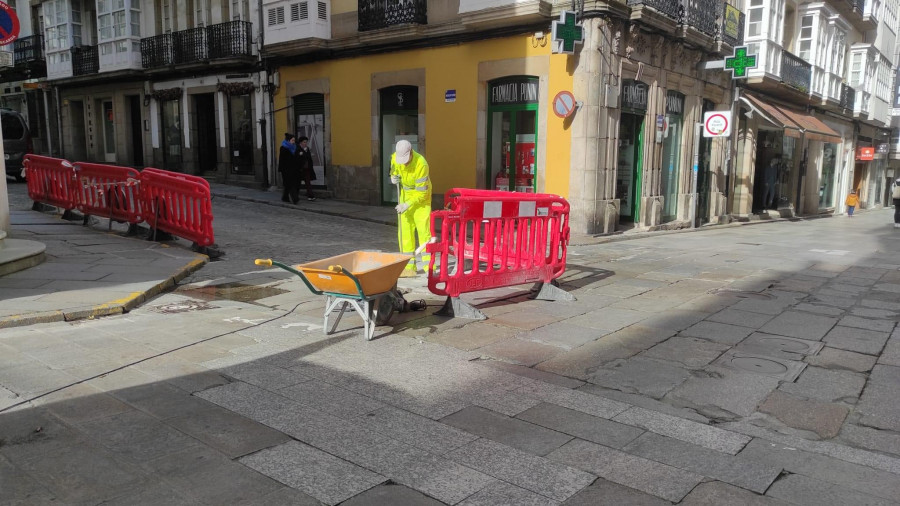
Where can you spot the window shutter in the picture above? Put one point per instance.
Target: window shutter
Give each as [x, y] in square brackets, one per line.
[323, 11]
[295, 12]
[304, 10]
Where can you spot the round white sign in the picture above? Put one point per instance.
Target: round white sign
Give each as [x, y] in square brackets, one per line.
[716, 125]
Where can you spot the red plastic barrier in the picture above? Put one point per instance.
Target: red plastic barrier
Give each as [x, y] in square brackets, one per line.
[50, 180]
[491, 239]
[108, 190]
[178, 204]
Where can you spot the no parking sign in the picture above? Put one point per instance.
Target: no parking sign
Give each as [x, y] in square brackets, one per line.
[717, 124]
[9, 24]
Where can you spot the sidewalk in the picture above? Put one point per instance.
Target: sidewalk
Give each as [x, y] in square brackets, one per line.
[87, 273]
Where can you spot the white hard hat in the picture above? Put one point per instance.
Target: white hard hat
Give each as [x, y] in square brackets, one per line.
[402, 152]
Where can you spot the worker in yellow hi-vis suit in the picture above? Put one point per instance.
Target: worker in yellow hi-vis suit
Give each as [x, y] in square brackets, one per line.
[410, 170]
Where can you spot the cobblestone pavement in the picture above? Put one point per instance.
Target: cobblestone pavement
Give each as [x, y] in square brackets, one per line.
[748, 365]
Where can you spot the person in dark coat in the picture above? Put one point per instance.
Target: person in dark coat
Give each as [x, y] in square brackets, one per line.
[307, 173]
[290, 171]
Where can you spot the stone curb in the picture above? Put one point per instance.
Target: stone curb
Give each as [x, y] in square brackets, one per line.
[115, 307]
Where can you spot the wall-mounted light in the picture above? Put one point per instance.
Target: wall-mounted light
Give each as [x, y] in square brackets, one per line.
[146, 100]
[538, 39]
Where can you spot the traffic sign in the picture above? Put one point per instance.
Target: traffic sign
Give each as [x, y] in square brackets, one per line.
[564, 104]
[717, 124]
[9, 24]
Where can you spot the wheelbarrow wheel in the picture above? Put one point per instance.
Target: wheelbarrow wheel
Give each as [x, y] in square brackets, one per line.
[384, 309]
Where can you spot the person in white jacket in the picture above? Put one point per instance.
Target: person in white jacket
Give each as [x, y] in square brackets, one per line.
[895, 194]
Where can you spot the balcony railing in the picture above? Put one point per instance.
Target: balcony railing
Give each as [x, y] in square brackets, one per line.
[375, 14]
[701, 14]
[859, 5]
[731, 27]
[156, 51]
[795, 72]
[670, 8]
[229, 39]
[190, 46]
[28, 49]
[85, 60]
[848, 97]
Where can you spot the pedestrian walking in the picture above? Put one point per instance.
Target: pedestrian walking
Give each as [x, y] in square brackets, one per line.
[771, 179]
[895, 194]
[305, 162]
[852, 201]
[409, 170]
[287, 165]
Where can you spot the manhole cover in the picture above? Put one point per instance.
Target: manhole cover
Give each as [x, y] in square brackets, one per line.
[784, 344]
[182, 307]
[239, 292]
[758, 365]
[740, 294]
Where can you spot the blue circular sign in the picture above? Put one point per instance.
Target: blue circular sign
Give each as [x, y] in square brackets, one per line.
[9, 24]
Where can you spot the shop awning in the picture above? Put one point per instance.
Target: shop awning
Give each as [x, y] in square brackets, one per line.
[793, 121]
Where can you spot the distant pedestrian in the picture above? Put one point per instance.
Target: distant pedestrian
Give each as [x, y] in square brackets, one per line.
[852, 201]
[895, 194]
[290, 171]
[305, 162]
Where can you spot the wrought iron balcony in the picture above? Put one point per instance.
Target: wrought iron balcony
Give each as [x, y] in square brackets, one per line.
[795, 72]
[701, 14]
[670, 8]
[190, 46]
[28, 49]
[229, 39]
[731, 27]
[85, 60]
[375, 14]
[848, 97]
[157, 51]
[859, 6]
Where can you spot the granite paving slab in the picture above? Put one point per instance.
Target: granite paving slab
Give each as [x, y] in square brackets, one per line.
[639, 375]
[227, 432]
[723, 393]
[574, 399]
[389, 493]
[264, 375]
[833, 358]
[890, 355]
[799, 325]
[136, 436]
[826, 385]
[415, 430]
[514, 432]
[674, 319]
[316, 473]
[822, 418]
[638, 473]
[739, 471]
[685, 430]
[819, 309]
[717, 332]
[715, 493]
[472, 337]
[870, 342]
[525, 319]
[745, 360]
[606, 492]
[519, 351]
[871, 439]
[878, 406]
[741, 318]
[644, 402]
[532, 373]
[499, 492]
[331, 399]
[688, 351]
[537, 474]
[799, 489]
[858, 477]
[869, 323]
[561, 334]
[581, 425]
[609, 319]
[779, 346]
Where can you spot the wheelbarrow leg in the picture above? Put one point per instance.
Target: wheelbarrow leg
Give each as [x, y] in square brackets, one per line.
[330, 304]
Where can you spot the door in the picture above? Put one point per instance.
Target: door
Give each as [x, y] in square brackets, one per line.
[399, 121]
[309, 113]
[629, 166]
[79, 139]
[109, 132]
[241, 124]
[512, 146]
[703, 173]
[207, 159]
[137, 140]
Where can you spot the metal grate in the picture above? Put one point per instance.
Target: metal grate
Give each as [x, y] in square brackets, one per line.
[190, 45]
[848, 97]
[229, 39]
[156, 51]
[701, 14]
[670, 8]
[375, 14]
[85, 60]
[795, 72]
[28, 49]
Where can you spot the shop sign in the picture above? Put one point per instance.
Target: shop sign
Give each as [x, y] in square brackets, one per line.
[634, 95]
[514, 92]
[865, 154]
[450, 96]
[740, 62]
[732, 22]
[883, 149]
[401, 100]
[674, 103]
[566, 33]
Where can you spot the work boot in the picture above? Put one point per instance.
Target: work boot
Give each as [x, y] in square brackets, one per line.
[408, 273]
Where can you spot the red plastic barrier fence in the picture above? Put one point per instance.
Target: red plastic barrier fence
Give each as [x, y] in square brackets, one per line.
[178, 204]
[108, 190]
[50, 180]
[490, 239]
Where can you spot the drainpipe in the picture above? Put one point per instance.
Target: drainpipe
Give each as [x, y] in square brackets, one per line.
[47, 122]
[62, 145]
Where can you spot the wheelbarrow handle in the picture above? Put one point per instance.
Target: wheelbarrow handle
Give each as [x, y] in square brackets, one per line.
[336, 268]
[265, 262]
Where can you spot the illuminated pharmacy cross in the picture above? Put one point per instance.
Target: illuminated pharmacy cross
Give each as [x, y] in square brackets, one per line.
[740, 62]
[566, 30]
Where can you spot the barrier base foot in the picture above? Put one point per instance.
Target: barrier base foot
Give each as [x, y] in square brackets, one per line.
[212, 251]
[455, 308]
[157, 235]
[68, 215]
[552, 292]
[133, 229]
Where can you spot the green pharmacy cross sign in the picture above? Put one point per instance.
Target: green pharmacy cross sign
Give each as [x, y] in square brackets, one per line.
[566, 33]
[740, 62]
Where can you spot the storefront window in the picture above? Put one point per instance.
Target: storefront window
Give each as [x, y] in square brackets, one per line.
[671, 154]
[172, 134]
[785, 177]
[827, 179]
[399, 121]
[241, 126]
[309, 109]
[109, 131]
[512, 134]
[629, 165]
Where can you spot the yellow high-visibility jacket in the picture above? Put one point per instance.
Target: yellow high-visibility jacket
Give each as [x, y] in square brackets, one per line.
[414, 179]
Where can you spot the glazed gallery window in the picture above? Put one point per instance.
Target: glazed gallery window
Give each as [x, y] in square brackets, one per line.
[173, 135]
[806, 38]
[755, 16]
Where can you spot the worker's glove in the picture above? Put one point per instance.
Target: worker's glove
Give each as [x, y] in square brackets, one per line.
[402, 207]
[395, 179]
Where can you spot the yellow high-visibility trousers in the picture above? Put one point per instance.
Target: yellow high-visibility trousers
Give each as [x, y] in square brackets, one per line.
[415, 223]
